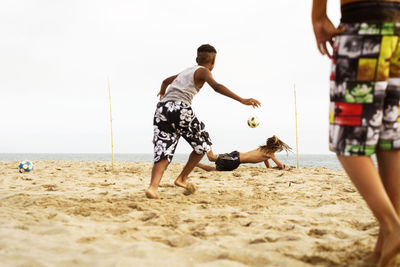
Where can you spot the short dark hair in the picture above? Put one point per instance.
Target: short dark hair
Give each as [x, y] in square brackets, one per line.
[206, 48]
[204, 53]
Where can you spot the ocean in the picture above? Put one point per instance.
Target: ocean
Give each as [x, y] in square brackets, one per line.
[306, 160]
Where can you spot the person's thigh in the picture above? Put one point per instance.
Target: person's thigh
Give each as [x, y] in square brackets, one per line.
[165, 138]
[359, 85]
[390, 129]
[194, 132]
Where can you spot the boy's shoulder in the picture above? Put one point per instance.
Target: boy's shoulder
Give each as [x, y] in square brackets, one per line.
[201, 69]
[262, 152]
[202, 73]
[266, 153]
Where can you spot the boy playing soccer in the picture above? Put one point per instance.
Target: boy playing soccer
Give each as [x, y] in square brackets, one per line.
[230, 161]
[174, 117]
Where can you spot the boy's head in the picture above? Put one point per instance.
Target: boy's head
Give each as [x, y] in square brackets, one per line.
[274, 144]
[206, 56]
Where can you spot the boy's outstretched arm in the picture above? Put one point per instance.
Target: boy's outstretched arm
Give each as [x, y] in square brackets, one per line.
[267, 164]
[277, 162]
[165, 84]
[205, 75]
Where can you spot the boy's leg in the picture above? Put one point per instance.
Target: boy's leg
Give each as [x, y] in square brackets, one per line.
[211, 156]
[389, 169]
[193, 131]
[206, 167]
[156, 175]
[193, 160]
[365, 177]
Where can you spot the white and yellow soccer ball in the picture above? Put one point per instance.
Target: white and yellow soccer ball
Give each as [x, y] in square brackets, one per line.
[253, 122]
[25, 166]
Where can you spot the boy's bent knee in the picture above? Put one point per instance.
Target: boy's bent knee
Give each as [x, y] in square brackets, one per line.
[198, 153]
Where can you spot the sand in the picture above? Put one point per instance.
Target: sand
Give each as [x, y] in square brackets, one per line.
[68, 213]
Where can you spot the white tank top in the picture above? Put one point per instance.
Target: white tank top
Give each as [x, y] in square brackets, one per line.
[183, 87]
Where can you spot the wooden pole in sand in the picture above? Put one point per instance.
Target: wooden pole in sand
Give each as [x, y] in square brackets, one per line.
[112, 139]
[297, 139]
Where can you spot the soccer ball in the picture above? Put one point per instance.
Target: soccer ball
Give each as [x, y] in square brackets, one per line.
[252, 122]
[25, 166]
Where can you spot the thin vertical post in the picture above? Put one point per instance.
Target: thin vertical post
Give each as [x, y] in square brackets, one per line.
[297, 138]
[112, 139]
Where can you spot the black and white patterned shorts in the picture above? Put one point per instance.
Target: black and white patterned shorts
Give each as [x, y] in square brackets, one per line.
[172, 120]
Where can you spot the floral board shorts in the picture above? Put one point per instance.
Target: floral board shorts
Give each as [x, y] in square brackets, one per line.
[365, 89]
[172, 120]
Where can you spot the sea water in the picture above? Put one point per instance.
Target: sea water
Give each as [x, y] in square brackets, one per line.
[305, 160]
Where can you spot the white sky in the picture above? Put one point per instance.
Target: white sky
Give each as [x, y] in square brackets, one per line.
[55, 57]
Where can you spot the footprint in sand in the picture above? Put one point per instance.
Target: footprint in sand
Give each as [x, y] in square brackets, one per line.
[190, 189]
[87, 239]
[317, 232]
[179, 241]
[50, 187]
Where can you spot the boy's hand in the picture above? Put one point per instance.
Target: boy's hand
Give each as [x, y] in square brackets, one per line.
[325, 32]
[161, 94]
[165, 84]
[251, 102]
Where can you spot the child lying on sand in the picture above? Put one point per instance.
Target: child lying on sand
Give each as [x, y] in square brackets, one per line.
[230, 161]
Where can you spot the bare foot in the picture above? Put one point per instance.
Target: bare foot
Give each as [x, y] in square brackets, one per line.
[151, 193]
[180, 183]
[372, 259]
[391, 246]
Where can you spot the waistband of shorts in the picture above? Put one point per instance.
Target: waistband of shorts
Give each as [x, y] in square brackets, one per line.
[177, 102]
[370, 12]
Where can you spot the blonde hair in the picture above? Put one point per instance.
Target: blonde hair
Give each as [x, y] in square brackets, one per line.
[274, 144]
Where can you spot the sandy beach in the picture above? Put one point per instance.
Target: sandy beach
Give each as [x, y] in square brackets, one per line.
[68, 213]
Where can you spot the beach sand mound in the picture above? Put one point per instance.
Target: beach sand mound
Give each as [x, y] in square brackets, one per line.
[68, 213]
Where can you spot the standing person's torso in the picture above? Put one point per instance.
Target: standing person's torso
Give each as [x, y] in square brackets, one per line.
[370, 11]
[183, 88]
[342, 2]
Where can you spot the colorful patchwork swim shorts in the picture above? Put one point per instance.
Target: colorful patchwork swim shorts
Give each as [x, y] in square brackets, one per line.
[172, 120]
[365, 89]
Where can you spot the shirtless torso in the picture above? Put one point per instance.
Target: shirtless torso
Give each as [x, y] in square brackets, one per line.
[253, 156]
[258, 155]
